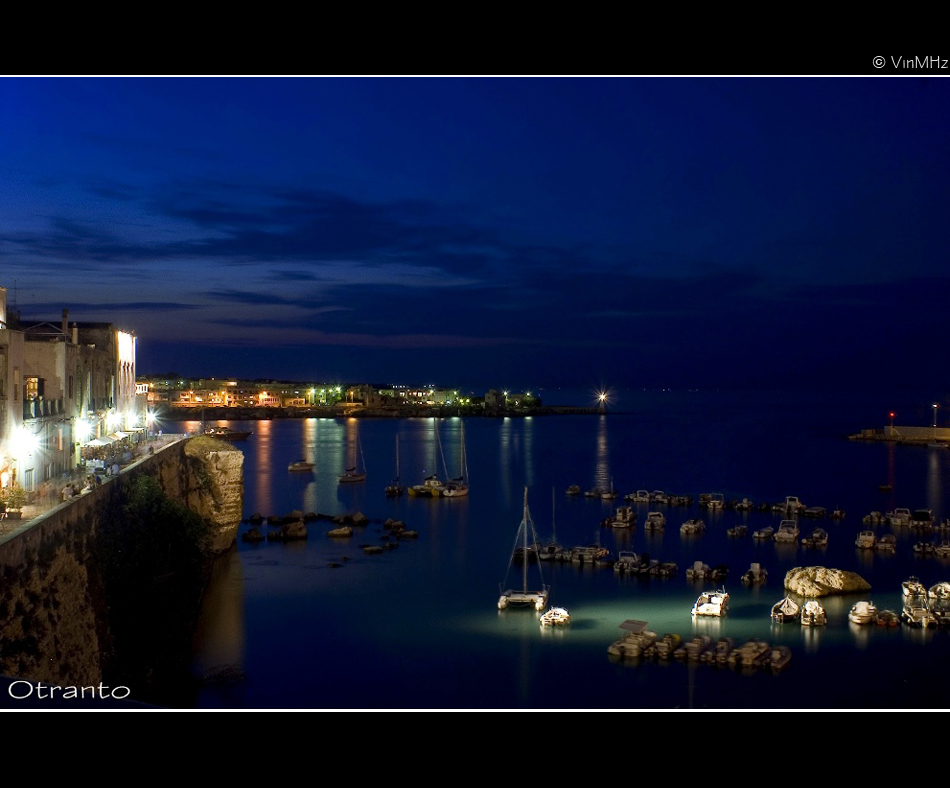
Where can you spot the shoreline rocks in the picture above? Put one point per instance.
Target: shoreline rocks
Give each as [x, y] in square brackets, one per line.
[817, 581]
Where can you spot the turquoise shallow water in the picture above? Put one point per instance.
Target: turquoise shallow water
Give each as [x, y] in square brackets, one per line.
[417, 627]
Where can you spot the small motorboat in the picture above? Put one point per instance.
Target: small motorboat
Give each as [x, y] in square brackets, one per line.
[912, 587]
[693, 526]
[919, 615]
[786, 609]
[866, 540]
[818, 538]
[711, 603]
[300, 466]
[555, 617]
[779, 658]
[813, 614]
[940, 591]
[863, 612]
[787, 532]
[754, 575]
[764, 533]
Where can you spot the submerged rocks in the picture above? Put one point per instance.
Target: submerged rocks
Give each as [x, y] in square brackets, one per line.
[816, 581]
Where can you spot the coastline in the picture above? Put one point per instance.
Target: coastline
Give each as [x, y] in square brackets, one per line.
[359, 411]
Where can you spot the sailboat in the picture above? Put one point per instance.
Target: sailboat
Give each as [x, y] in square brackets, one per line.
[536, 599]
[358, 472]
[432, 486]
[458, 487]
[396, 488]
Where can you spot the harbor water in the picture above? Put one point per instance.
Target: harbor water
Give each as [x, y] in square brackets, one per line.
[320, 624]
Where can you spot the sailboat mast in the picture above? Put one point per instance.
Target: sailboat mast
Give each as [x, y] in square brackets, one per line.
[524, 529]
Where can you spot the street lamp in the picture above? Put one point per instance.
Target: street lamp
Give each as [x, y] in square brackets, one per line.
[935, 415]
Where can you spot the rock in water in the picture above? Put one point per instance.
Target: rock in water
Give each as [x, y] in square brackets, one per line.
[815, 581]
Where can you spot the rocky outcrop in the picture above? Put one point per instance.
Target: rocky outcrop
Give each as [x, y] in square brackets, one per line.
[214, 488]
[816, 581]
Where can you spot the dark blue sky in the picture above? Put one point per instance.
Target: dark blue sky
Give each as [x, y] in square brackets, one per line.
[508, 232]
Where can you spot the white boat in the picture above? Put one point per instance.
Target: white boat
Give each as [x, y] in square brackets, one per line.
[655, 521]
[611, 493]
[640, 496]
[396, 488]
[711, 603]
[715, 501]
[886, 543]
[786, 609]
[555, 617]
[940, 591]
[358, 472]
[922, 519]
[918, 615]
[793, 505]
[538, 599]
[866, 540]
[818, 538]
[912, 587]
[693, 526]
[813, 614]
[628, 561]
[300, 466]
[458, 487]
[787, 531]
[431, 487]
[764, 533]
[863, 612]
[626, 517]
[899, 516]
[659, 497]
[756, 574]
[698, 571]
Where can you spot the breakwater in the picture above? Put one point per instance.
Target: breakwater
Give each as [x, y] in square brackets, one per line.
[104, 586]
[919, 436]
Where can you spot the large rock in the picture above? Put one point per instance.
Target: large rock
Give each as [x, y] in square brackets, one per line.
[815, 581]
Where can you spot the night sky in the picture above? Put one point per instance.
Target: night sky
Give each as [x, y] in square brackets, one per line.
[477, 232]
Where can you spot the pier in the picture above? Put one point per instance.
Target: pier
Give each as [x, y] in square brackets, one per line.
[917, 436]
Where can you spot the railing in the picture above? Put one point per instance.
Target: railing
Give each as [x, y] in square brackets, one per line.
[37, 408]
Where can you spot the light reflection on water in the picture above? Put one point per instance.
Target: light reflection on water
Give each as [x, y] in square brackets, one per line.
[424, 614]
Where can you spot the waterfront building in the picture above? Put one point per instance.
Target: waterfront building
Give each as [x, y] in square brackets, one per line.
[62, 387]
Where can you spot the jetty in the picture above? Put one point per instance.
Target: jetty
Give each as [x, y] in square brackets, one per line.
[915, 436]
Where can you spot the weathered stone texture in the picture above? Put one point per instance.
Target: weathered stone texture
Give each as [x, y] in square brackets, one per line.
[817, 581]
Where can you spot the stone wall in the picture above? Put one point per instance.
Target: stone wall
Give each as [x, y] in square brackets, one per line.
[54, 600]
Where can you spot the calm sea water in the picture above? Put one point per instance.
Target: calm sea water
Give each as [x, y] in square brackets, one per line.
[418, 628]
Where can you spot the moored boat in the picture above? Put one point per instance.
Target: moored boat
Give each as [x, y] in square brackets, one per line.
[754, 575]
[813, 614]
[300, 466]
[625, 517]
[863, 612]
[227, 434]
[538, 598]
[693, 526]
[711, 603]
[555, 617]
[912, 587]
[866, 540]
[786, 609]
[787, 531]
[818, 538]
[655, 521]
